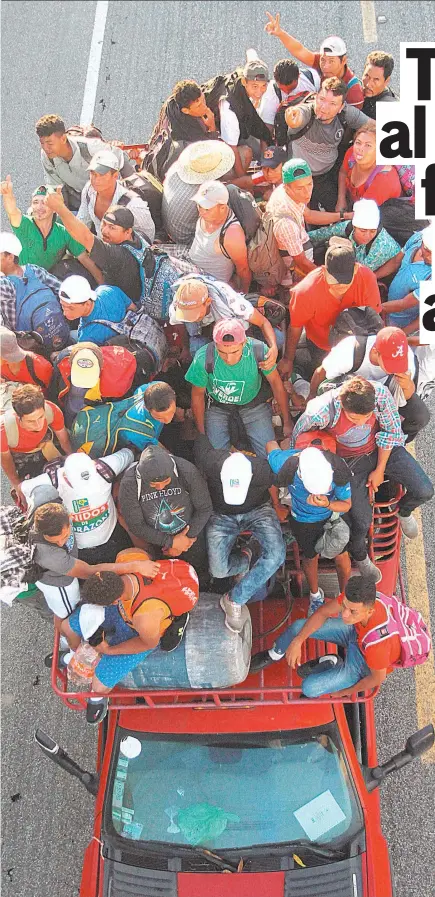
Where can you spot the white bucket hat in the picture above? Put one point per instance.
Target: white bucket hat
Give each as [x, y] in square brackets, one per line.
[206, 160]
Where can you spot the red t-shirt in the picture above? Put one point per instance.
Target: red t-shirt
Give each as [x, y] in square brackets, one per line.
[354, 440]
[314, 307]
[28, 440]
[386, 652]
[43, 370]
[385, 185]
[354, 96]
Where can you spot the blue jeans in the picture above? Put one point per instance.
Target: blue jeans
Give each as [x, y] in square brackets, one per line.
[346, 674]
[222, 532]
[256, 419]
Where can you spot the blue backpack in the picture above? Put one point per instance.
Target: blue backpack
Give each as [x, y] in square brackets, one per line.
[103, 429]
[39, 310]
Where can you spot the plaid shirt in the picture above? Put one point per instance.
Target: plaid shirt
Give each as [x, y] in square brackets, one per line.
[324, 411]
[15, 555]
[288, 221]
[8, 294]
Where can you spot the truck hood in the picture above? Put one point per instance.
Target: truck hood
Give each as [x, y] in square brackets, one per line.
[340, 879]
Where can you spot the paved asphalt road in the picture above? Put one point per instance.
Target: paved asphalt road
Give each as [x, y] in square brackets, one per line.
[147, 48]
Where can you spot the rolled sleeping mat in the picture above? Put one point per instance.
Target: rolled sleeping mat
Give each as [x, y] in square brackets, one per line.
[210, 656]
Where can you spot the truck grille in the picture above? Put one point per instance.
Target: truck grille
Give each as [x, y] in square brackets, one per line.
[121, 880]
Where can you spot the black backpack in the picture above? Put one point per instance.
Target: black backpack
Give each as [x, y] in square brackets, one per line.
[149, 188]
[359, 322]
[398, 218]
[161, 154]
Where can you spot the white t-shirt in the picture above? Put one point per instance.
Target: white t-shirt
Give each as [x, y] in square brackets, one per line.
[230, 128]
[340, 360]
[225, 303]
[270, 101]
[87, 496]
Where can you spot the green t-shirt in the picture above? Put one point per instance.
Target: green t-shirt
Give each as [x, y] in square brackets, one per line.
[44, 251]
[229, 384]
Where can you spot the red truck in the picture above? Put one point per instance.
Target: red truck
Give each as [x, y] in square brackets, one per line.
[249, 791]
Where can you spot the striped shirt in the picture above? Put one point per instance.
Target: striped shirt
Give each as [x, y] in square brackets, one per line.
[288, 221]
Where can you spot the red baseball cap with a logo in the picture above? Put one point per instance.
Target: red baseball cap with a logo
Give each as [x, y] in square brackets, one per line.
[392, 345]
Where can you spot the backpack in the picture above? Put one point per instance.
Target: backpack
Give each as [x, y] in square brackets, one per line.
[280, 127]
[162, 153]
[116, 377]
[273, 310]
[408, 624]
[264, 258]
[245, 209]
[149, 188]
[257, 347]
[159, 272]
[142, 333]
[10, 426]
[407, 180]
[102, 430]
[38, 309]
[398, 218]
[361, 322]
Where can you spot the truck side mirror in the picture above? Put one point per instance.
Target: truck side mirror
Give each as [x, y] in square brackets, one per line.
[416, 745]
[58, 755]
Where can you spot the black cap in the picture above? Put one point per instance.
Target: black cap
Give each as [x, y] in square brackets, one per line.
[273, 156]
[121, 216]
[155, 465]
[340, 262]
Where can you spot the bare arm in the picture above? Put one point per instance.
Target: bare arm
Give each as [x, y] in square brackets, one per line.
[293, 337]
[260, 321]
[198, 407]
[281, 398]
[312, 216]
[239, 171]
[76, 229]
[82, 570]
[235, 246]
[294, 47]
[392, 305]
[317, 378]
[10, 203]
[375, 678]
[90, 266]
[8, 466]
[389, 267]
[64, 440]
[148, 629]
[319, 617]
[303, 263]
[341, 196]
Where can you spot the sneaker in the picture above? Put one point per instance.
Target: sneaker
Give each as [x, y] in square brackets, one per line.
[235, 614]
[64, 658]
[173, 635]
[319, 665]
[368, 570]
[316, 601]
[96, 711]
[260, 661]
[409, 526]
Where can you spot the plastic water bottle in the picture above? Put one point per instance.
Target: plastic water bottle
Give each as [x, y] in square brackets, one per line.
[80, 669]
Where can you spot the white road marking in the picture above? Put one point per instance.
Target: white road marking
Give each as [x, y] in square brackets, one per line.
[369, 21]
[94, 62]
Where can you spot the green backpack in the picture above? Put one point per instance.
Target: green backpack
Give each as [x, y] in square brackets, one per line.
[105, 428]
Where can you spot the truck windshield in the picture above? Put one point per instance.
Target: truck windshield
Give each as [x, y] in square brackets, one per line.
[232, 792]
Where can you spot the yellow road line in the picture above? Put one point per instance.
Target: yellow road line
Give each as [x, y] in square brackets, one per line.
[418, 597]
[368, 15]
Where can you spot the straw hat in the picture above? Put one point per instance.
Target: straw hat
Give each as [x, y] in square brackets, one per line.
[206, 160]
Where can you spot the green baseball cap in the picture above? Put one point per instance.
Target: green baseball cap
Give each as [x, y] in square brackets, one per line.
[294, 170]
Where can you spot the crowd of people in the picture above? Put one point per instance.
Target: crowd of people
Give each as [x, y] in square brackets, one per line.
[209, 345]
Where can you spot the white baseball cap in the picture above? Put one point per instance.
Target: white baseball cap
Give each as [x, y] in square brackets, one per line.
[315, 471]
[236, 476]
[366, 214]
[210, 194]
[333, 46]
[75, 289]
[10, 243]
[104, 161]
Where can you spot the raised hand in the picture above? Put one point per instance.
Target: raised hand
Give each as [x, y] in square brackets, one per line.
[6, 188]
[273, 26]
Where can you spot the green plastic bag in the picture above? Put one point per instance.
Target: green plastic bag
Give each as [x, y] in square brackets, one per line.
[203, 822]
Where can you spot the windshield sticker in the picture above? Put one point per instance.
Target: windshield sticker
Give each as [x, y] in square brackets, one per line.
[132, 830]
[118, 793]
[319, 815]
[127, 814]
[130, 747]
